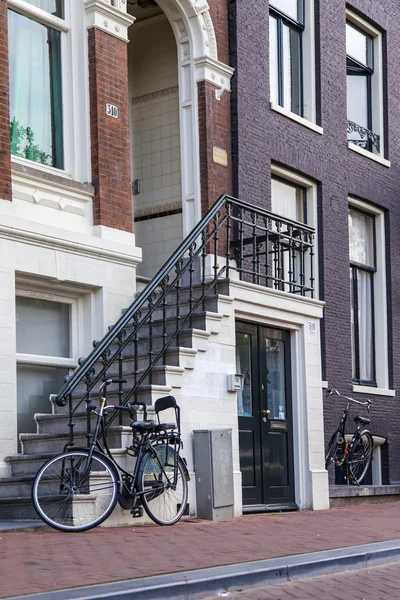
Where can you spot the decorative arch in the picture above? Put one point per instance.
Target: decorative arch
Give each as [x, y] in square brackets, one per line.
[197, 61]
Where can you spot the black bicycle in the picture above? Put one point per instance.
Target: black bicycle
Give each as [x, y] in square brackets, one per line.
[353, 456]
[79, 489]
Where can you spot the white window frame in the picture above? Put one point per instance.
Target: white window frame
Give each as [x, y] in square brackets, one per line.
[380, 304]
[311, 202]
[53, 361]
[376, 89]
[75, 87]
[309, 119]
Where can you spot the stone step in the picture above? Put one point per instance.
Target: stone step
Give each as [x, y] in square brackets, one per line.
[11, 487]
[38, 443]
[27, 465]
[17, 509]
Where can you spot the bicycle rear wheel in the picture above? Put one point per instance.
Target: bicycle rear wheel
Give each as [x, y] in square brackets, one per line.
[360, 457]
[75, 492]
[163, 499]
[331, 448]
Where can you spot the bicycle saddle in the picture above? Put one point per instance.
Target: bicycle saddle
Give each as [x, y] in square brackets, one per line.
[148, 425]
[363, 420]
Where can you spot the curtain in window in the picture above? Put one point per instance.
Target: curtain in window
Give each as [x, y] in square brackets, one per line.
[365, 325]
[35, 90]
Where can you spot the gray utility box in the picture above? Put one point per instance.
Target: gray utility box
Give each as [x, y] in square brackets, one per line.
[213, 466]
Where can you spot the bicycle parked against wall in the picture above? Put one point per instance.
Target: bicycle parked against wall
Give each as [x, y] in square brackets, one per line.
[352, 456]
[79, 489]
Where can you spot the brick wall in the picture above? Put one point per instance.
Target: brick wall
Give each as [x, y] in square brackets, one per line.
[108, 83]
[261, 136]
[5, 157]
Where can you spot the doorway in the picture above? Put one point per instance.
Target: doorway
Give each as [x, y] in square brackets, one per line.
[265, 418]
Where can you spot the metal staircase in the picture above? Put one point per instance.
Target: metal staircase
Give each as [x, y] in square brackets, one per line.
[157, 337]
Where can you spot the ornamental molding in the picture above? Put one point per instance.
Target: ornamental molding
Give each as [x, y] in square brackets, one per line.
[214, 71]
[58, 197]
[162, 207]
[153, 97]
[108, 17]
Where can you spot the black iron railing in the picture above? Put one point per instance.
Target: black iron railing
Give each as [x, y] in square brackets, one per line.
[234, 240]
[366, 140]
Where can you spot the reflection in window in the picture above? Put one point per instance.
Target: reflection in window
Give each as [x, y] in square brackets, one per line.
[286, 27]
[360, 69]
[275, 369]
[243, 366]
[36, 128]
[362, 270]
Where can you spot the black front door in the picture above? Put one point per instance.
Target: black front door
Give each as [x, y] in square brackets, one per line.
[265, 417]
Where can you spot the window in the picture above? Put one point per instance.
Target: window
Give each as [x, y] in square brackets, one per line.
[293, 261]
[288, 200]
[362, 271]
[46, 341]
[364, 86]
[286, 25]
[36, 107]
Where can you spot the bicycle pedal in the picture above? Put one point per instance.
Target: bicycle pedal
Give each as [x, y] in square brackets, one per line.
[137, 511]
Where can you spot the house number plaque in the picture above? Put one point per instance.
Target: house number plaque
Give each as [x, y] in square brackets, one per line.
[112, 110]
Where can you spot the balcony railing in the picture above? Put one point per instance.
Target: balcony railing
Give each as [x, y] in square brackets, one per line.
[234, 240]
[366, 140]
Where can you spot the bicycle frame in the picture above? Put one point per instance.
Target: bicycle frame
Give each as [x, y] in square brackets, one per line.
[143, 444]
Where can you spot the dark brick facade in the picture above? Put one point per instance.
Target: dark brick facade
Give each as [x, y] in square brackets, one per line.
[262, 136]
[5, 155]
[110, 141]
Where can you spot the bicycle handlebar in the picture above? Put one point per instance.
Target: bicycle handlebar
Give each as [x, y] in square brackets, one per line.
[333, 391]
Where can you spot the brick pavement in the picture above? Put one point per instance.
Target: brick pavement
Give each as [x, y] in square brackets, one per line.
[378, 583]
[46, 560]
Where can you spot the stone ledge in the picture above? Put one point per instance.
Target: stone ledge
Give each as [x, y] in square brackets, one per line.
[352, 491]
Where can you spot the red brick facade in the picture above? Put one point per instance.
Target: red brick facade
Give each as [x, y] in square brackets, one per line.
[5, 156]
[108, 83]
[215, 119]
[214, 132]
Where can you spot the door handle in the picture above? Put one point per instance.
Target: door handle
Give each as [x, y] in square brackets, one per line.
[265, 412]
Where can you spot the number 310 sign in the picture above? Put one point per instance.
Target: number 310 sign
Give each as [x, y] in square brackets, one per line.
[112, 110]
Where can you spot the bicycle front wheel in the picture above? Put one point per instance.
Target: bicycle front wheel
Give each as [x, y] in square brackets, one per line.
[163, 485]
[75, 492]
[360, 457]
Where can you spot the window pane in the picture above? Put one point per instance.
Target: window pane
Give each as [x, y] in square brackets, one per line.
[34, 386]
[275, 369]
[357, 102]
[291, 66]
[273, 59]
[353, 340]
[35, 91]
[359, 45]
[287, 200]
[361, 237]
[365, 325]
[43, 327]
[54, 7]
[292, 8]
[243, 366]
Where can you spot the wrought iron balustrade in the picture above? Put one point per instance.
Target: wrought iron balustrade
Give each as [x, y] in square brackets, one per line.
[367, 138]
[234, 240]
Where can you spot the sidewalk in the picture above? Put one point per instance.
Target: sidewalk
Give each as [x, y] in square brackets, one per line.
[45, 560]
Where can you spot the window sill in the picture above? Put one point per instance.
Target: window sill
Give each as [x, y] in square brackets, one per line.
[31, 164]
[370, 155]
[294, 117]
[365, 389]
